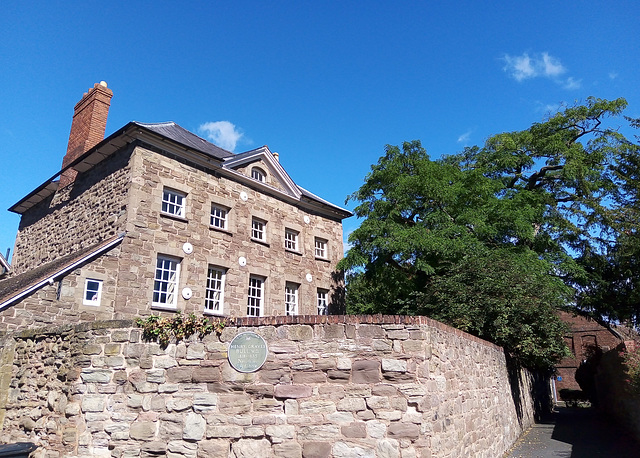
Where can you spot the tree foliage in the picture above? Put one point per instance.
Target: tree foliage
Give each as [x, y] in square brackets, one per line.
[495, 239]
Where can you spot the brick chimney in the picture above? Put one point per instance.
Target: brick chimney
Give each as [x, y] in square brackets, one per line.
[88, 126]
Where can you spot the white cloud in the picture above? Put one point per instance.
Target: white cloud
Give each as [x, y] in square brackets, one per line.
[551, 65]
[542, 65]
[464, 138]
[572, 83]
[613, 75]
[223, 133]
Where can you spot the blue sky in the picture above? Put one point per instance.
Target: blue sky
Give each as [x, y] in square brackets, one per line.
[325, 84]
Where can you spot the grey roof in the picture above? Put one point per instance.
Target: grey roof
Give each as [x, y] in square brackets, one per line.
[181, 135]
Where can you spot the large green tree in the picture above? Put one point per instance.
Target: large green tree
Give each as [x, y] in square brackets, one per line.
[491, 240]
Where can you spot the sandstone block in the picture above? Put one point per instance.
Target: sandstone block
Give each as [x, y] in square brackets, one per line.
[394, 365]
[234, 404]
[213, 448]
[388, 448]
[179, 374]
[316, 407]
[292, 391]
[365, 371]
[142, 430]
[231, 431]
[196, 350]
[280, 433]
[316, 450]
[355, 429]
[408, 430]
[351, 404]
[93, 403]
[89, 375]
[314, 377]
[288, 449]
[345, 450]
[194, 427]
[252, 448]
[299, 332]
[206, 374]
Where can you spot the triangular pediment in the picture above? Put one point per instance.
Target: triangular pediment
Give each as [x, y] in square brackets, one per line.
[262, 166]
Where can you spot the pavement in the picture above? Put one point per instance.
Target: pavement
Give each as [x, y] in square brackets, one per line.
[576, 433]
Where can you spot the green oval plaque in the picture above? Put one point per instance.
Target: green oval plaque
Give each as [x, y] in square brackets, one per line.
[247, 352]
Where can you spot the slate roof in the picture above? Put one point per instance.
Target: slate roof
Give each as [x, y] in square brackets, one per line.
[15, 287]
[181, 135]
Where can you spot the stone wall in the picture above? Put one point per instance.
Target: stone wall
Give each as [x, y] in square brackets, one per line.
[341, 386]
[150, 233]
[88, 211]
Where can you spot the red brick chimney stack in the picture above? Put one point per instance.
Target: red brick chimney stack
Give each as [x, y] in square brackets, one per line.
[88, 126]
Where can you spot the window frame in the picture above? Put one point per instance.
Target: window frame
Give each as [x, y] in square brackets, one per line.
[291, 298]
[98, 293]
[258, 174]
[173, 295]
[262, 231]
[224, 218]
[255, 295]
[211, 290]
[291, 240]
[324, 250]
[167, 203]
[322, 295]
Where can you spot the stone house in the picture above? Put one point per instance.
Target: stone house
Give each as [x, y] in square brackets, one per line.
[154, 219]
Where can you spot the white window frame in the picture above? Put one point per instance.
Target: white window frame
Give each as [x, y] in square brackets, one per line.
[173, 202]
[258, 174]
[214, 290]
[291, 239]
[165, 283]
[219, 217]
[320, 248]
[258, 229]
[291, 298]
[255, 296]
[322, 301]
[95, 291]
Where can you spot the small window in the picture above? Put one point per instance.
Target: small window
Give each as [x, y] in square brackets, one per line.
[291, 298]
[258, 174]
[214, 293]
[165, 285]
[323, 302]
[290, 240]
[321, 248]
[173, 203]
[219, 217]
[255, 298]
[92, 292]
[258, 229]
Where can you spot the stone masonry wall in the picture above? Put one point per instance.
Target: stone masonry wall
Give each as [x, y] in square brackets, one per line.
[332, 386]
[151, 233]
[88, 211]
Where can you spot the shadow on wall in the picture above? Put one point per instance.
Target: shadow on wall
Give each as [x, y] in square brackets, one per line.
[338, 302]
[540, 391]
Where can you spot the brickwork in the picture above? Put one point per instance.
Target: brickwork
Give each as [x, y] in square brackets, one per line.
[90, 210]
[584, 334]
[88, 126]
[337, 386]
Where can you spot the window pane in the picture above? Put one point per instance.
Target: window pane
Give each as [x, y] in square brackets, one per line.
[255, 297]
[323, 304]
[291, 299]
[291, 240]
[166, 282]
[214, 294]
[173, 203]
[92, 292]
[321, 248]
[218, 217]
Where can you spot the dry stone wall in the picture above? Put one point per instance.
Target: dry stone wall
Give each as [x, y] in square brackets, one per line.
[332, 386]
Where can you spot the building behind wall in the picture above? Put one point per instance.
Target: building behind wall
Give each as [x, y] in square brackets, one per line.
[154, 219]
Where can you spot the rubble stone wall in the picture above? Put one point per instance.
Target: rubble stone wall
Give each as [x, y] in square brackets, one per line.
[332, 386]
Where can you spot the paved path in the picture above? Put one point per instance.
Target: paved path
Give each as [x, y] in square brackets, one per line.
[575, 433]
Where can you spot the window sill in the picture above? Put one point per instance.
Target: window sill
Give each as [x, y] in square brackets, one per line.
[261, 242]
[293, 252]
[167, 308]
[322, 259]
[212, 313]
[174, 217]
[219, 229]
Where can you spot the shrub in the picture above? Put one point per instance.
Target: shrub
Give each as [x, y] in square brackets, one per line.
[179, 327]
